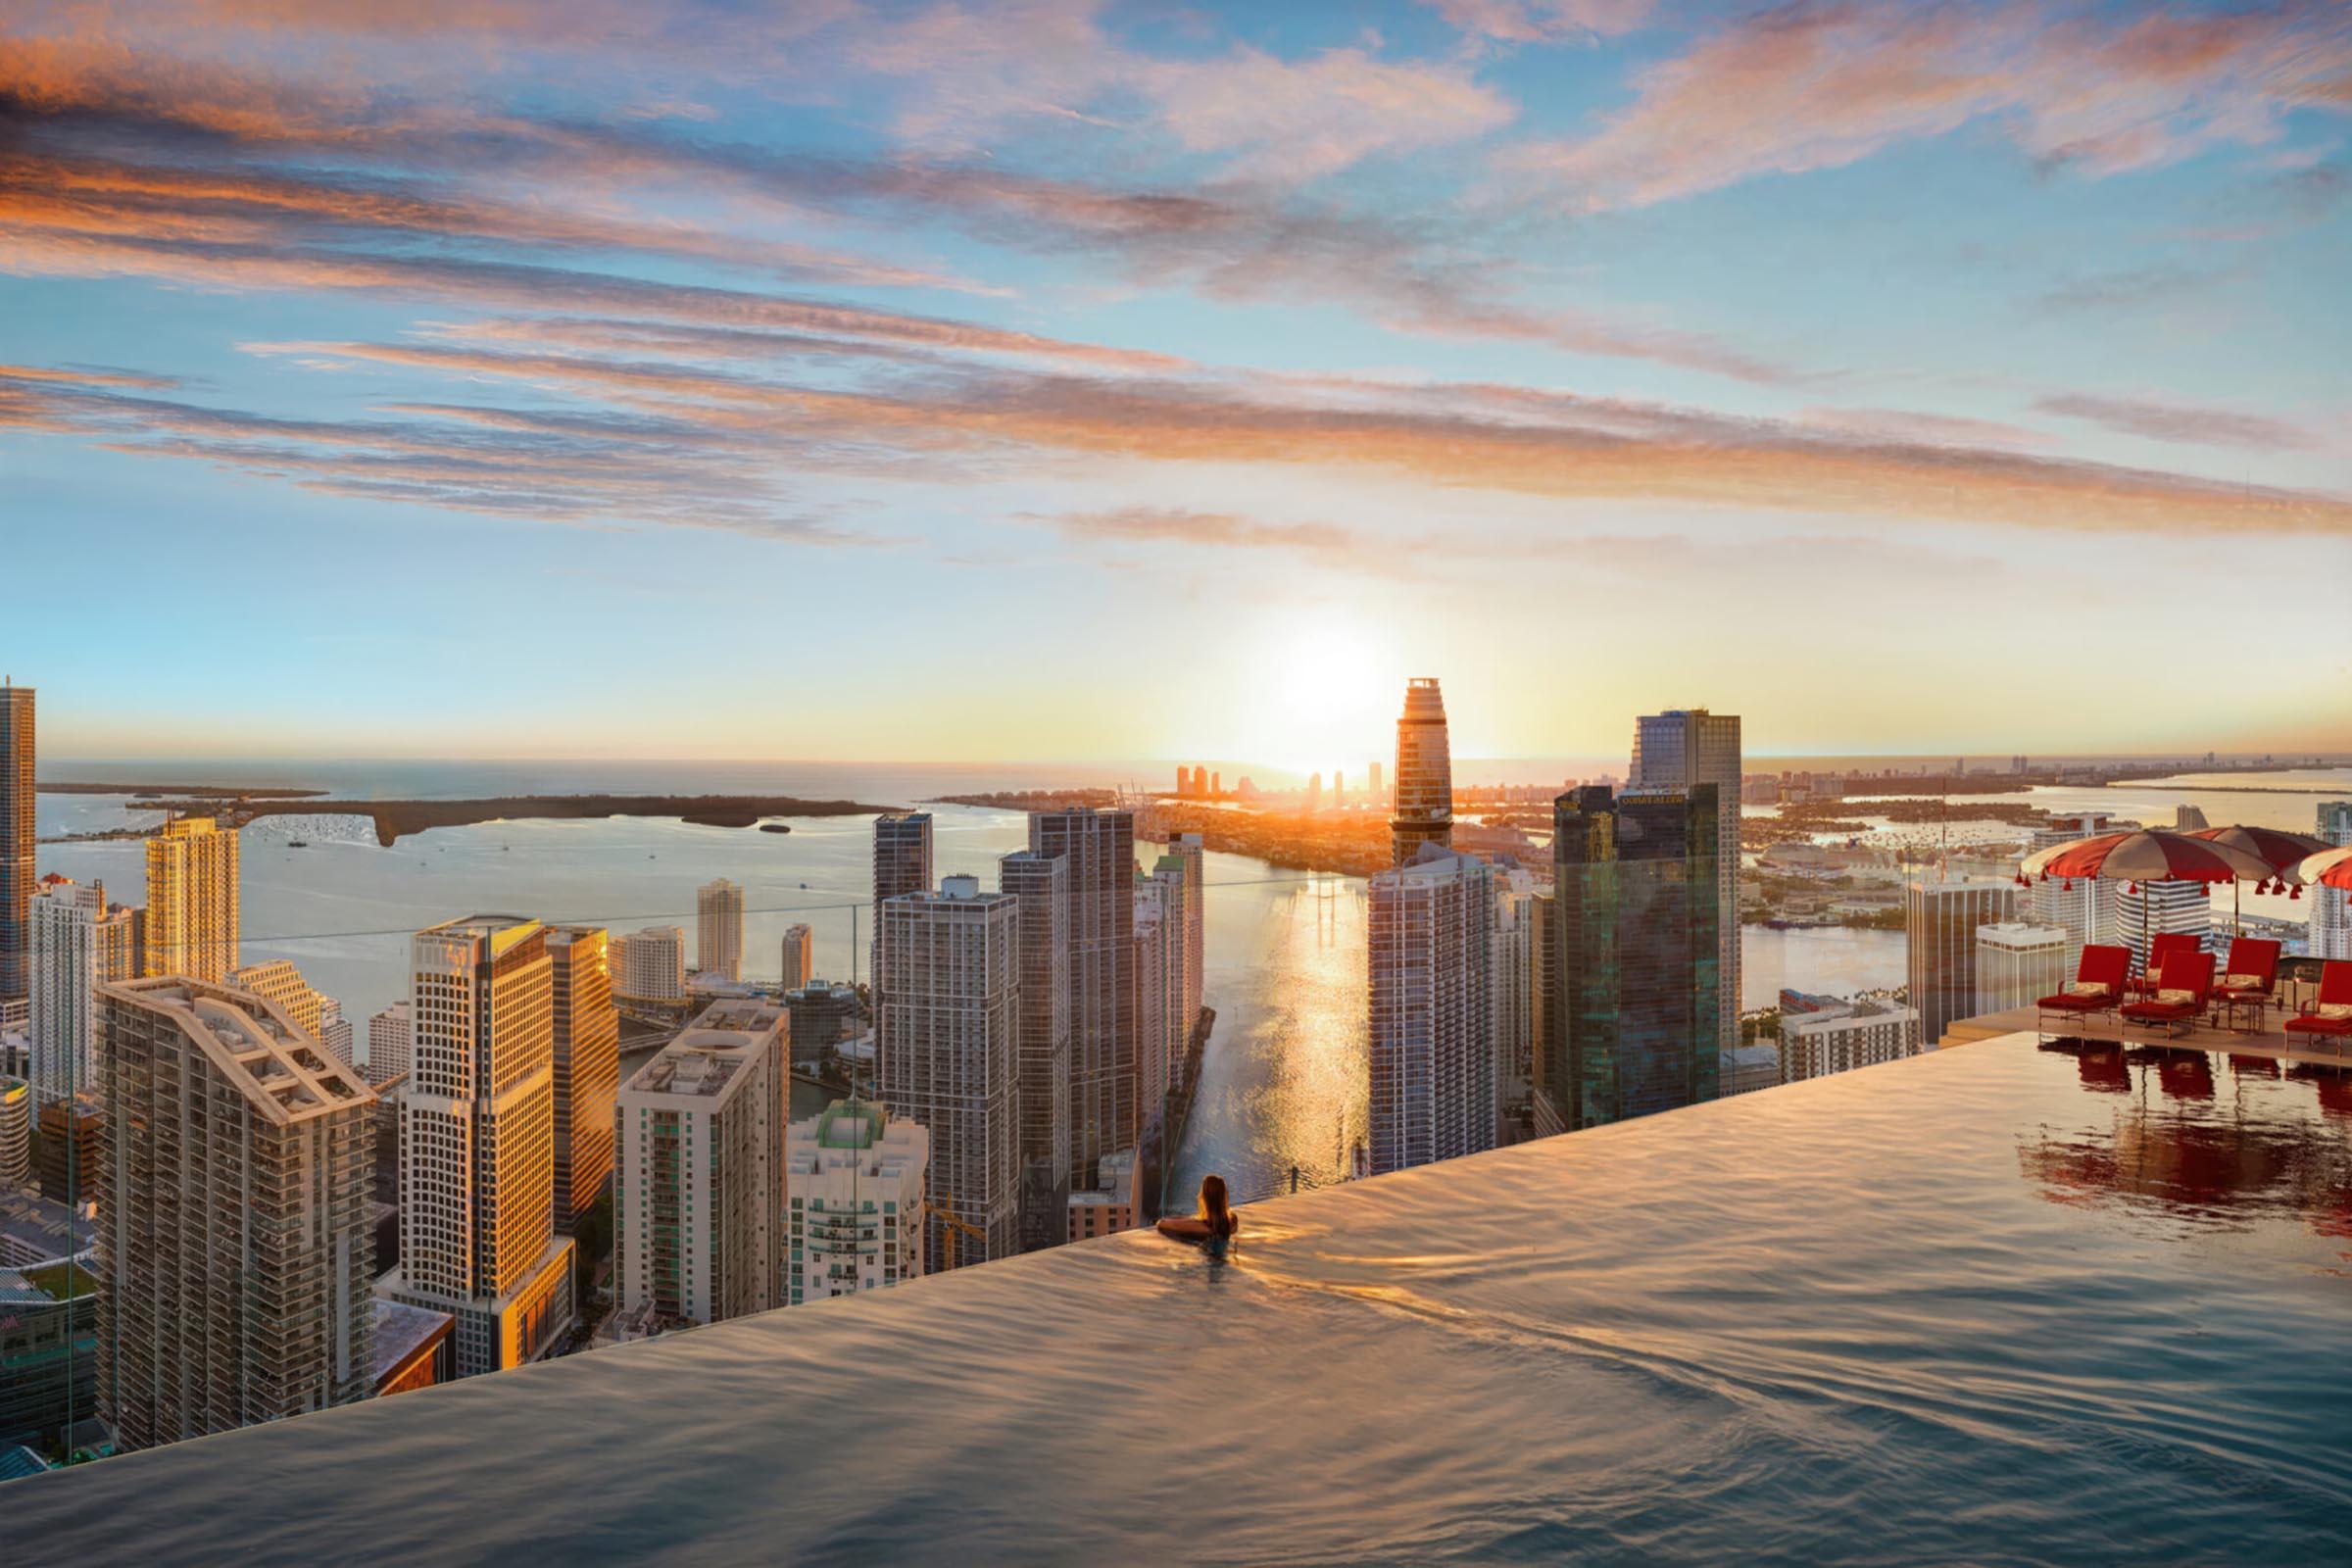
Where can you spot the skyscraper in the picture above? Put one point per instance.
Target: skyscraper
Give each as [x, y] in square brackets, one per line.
[855, 1175]
[1941, 920]
[278, 981]
[1543, 963]
[1192, 863]
[699, 1197]
[2083, 907]
[1154, 931]
[234, 1248]
[2146, 910]
[16, 1133]
[335, 1033]
[947, 1057]
[192, 898]
[823, 1016]
[2332, 909]
[649, 966]
[477, 1143]
[1681, 749]
[718, 929]
[586, 1057]
[1511, 992]
[1042, 885]
[19, 832]
[1372, 790]
[1178, 876]
[1099, 847]
[79, 942]
[902, 864]
[1636, 961]
[1432, 1055]
[799, 956]
[1424, 808]
[388, 1050]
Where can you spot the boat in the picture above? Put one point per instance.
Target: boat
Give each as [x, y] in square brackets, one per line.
[298, 844]
[775, 827]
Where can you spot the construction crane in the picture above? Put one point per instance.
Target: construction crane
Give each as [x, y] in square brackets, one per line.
[955, 1223]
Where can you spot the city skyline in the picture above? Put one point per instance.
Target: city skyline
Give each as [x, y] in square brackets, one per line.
[1334, 345]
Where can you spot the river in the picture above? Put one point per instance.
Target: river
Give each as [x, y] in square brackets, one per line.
[1282, 1081]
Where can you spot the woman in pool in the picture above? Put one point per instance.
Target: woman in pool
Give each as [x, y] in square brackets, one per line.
[1213, 1227]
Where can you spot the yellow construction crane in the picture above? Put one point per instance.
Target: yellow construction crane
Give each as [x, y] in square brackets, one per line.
[955, 1223]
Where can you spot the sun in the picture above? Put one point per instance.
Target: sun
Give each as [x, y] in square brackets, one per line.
[1325, 701]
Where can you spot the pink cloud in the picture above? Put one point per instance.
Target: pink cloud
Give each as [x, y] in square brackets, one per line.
[2200, 424]
[1820, 85]
[1533, 20]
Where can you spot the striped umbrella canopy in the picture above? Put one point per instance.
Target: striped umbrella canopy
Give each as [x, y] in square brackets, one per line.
[2276, 847]
[2329, 868]
[2149, 855]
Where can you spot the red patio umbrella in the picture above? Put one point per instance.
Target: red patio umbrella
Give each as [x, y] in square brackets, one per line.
[2146, 855]
[2276, 847]
[2329, 868]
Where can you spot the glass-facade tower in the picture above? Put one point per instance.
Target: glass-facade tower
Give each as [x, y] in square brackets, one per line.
[1424, 809]
[1634, 1026]
[16, 836]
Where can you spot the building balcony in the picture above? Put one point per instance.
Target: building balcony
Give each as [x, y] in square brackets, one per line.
[2002, 1301]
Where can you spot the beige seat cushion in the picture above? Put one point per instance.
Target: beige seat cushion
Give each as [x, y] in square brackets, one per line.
[2335, 1009]
[2241, 982]
[2088, 988]
[2175, 997]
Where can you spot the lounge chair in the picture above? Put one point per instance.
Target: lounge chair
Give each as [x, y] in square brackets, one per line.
[2330, 1013]
[2250, 979]
[2098, 987]
[2162, 946]
[2182, 988]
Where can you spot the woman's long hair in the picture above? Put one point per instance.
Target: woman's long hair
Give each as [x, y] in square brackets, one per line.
[1213, 1206]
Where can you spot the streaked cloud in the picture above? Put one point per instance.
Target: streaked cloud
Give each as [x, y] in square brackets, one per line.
[1815, 85]
[2157, 419]
[703, 438]
[1532, 21]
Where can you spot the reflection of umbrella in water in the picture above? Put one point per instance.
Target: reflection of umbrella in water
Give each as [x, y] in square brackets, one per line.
[2185, 1075]
[2334, 1084]
[2103, 1071]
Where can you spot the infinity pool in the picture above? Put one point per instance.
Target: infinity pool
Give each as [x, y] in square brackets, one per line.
[1999, 1303]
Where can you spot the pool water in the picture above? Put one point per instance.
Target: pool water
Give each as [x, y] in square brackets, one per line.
[2005, 1302]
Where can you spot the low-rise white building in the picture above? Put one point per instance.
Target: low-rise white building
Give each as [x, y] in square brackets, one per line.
[854, 1184]
[1113, 1204]
[1848, 1035]
[2018, 963]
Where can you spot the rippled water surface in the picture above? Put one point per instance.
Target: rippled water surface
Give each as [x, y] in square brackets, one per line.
[1999, 1303]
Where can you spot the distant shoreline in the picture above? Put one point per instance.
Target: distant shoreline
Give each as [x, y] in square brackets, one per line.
[2233, 789]
[206, 792]
[395, 818]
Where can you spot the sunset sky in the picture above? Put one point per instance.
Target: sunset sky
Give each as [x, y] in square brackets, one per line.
[1078, 381]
